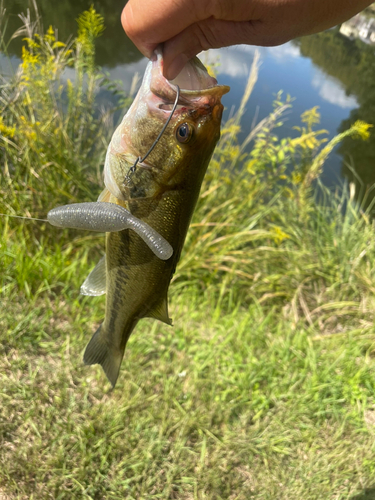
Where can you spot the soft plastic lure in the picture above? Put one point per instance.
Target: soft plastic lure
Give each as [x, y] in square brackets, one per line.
[108, 217]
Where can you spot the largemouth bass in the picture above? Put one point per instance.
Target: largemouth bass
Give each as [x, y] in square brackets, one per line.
[161, 191]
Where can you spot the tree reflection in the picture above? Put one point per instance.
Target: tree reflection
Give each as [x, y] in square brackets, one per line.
[353, 63]
[113, 48]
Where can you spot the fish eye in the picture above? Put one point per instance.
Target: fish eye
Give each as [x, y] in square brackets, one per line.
[184, 133]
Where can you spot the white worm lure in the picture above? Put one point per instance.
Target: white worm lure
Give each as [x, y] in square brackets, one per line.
[108, 217]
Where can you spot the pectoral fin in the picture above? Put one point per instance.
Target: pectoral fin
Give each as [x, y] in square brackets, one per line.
[160, 312]
[95, 283]
[105, 195]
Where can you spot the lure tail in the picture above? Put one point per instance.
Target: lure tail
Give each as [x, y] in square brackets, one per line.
[98, 351]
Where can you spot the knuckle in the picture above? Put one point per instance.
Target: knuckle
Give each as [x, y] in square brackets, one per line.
[126, 21]
[206, 38]
[266, 36]
[204, 9]
[129, 22]
[200, 9]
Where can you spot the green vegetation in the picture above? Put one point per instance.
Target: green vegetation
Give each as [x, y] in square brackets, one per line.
[265, 386]
[370, 10]
[64, 15]
[351, 62]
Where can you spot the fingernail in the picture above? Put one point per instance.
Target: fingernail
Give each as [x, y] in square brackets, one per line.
[174, 68]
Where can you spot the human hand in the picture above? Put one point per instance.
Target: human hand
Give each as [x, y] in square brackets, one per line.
[189, 26]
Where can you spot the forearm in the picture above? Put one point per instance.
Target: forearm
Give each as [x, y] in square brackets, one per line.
[188, 26]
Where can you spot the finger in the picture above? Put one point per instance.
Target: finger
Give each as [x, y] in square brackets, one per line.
[148, 23]
[213, 33]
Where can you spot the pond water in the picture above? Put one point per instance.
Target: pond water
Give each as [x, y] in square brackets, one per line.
[325, 70]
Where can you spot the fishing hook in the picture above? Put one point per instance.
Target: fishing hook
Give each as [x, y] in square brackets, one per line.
[139, 159]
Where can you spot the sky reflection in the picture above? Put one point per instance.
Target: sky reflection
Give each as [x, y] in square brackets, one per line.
[282, 68]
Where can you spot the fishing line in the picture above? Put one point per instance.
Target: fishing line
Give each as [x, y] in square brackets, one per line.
[133, 168]
[141, 160]
[21, 217]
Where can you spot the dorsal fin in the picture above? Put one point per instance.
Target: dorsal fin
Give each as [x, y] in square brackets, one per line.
[160, 312]
[96, 281]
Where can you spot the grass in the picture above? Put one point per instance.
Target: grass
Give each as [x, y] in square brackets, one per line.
[265, 386]
[227, 404]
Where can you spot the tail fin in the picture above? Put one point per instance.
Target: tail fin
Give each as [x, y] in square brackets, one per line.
[99, 352]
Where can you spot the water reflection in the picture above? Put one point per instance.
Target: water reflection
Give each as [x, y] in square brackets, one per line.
[113, 47]
[331, 91]
[352, 63]
[284, 68]
[325, 70]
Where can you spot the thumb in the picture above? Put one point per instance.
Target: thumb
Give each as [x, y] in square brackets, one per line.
[207, 34]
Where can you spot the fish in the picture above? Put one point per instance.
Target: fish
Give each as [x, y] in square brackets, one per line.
[159, 193]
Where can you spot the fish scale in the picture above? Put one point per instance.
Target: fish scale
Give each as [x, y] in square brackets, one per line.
[155, 199]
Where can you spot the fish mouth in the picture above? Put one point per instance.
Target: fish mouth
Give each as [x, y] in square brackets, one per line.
[197, 87]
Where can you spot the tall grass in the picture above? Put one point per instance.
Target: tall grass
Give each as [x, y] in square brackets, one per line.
[256, 212]
[263, 389]
[257, 234]
[53, 134]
